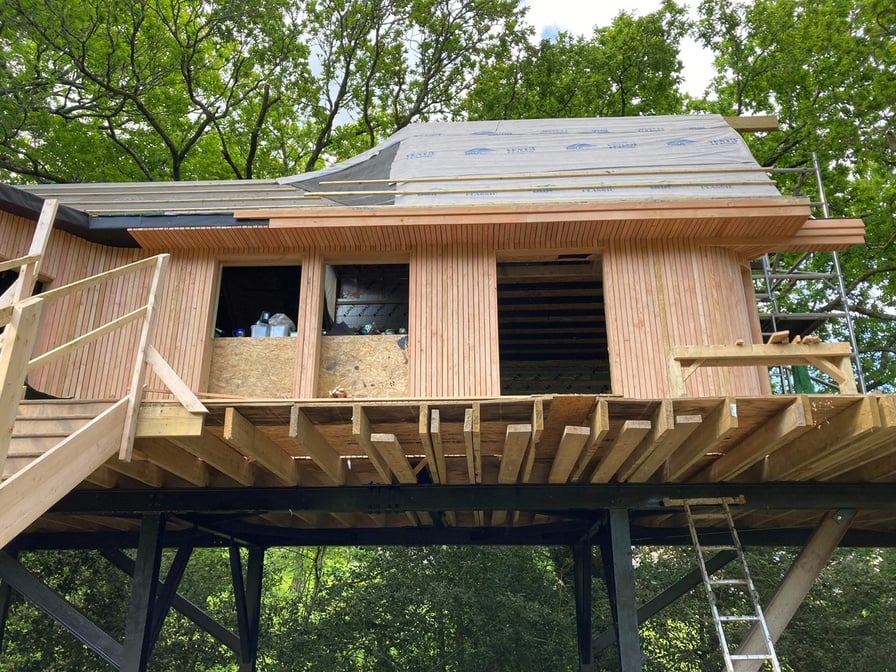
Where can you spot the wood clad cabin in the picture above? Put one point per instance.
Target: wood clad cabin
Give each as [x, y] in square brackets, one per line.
[551, 303]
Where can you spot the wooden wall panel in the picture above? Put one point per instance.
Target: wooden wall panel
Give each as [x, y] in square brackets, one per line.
[663, 294]
[453, 322]
[309, 322]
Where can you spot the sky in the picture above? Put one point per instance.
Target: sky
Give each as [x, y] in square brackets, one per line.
[580, 16]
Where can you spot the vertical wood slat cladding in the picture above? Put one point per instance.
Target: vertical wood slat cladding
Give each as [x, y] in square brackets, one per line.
[453, 322]
[311, 310]
[100, 369]
[662, 294]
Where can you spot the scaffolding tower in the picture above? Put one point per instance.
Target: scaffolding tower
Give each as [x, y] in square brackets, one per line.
[785, 282]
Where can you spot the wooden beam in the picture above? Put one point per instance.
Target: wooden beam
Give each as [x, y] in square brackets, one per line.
[754, 124]
[631, 434]
[172, 459]
[472, 441]
[218, 454]
[436, 461]
[160, 419]
[537, 429]
[361, 433]
[599, 422]
[435, 435]
[568, 451]
[795, 585]
[661, 424]
[173, 382]
[29, 493]
[714, 429]
[40, 238]
[789, 423]
[830, 442]
[880, 444]
[254, 443]
[310, 440]
[393, 454]
[143, 471]
[516, 440]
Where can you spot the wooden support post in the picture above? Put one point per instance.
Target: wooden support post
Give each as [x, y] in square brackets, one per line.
[16, 344]
[568, 452]
[581, 554]
[56, 607]
[138, 376]
[617, 555]
[472, 440]
[599, 422]
[138, 631]
[311, 310]
[361, 432]
[303, 431]
[24, 286]
[796, 585]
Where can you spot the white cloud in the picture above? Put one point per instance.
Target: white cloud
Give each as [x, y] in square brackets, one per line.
[580, 16]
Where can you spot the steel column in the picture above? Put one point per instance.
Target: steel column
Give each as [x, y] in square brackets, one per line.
[581, 554]
[247, 594]
[138, 632]
[617, 553]
[6, 597]
[168, 591]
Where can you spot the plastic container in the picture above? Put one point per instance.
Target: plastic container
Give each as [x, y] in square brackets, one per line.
[260, 330]
[279, 330]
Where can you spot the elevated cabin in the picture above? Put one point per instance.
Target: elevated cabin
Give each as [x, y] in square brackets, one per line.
[563, 304]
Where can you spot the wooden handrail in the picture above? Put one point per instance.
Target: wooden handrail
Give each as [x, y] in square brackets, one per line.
[78, 285]
[19, 262]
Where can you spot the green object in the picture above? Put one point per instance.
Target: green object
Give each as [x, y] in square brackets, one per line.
[802, 382]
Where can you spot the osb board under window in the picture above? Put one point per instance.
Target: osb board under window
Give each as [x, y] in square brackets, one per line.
[364, 366]
[253, 367]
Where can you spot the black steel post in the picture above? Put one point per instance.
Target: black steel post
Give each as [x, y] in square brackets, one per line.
[138, 632]
[247, 595]
[581, 553]
[621, 586]
[168, 591]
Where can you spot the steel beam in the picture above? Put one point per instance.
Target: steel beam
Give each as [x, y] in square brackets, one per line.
[144, 585]
[168, 591]
[551, 498]
[581, 554]
[681, 587]
[621, 587]
[57, 608]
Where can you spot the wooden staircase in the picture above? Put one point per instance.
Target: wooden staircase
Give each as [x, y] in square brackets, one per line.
[49, 448]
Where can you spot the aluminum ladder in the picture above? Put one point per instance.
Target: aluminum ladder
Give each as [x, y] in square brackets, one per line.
[719, 510]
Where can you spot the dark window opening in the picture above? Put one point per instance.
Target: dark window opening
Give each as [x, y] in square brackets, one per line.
[7, 278]
[248, 291]
[366, 299]
[552, 328]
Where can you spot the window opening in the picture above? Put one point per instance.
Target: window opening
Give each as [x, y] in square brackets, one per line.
[248, 291]
[366, 299]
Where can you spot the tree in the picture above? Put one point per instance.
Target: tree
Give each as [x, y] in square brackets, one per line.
[629, 68]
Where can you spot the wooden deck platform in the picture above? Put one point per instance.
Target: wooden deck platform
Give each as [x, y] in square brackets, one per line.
[247, 445]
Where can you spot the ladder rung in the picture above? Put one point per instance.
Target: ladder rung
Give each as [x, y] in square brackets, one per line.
[751, 656]
[738, 618]
[728, 582]
[709, 549]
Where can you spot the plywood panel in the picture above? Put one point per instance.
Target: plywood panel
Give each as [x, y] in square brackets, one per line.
[364, 366]
[253, 367]
[662, 294]
[453, 346]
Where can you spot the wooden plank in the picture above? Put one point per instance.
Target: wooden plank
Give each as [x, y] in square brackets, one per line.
[792, 421]
[143, 471]
[572, 442]
[435, 470]
[167, 420]
[754, 124]
[631, 434]
[831, 439]
[599, 423]
[171, 458]
[472, 441]
[254, 443]
[393, 455]
[685, 425]
[10, 264]
[18, 340]
[28, 274]
[537, 429]
[220, 455]
[714, 429]
[32, 491]
[435, 435]
[516, 440]
[310, 440]
[762, 354]
[880, 445]
[361, 433]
